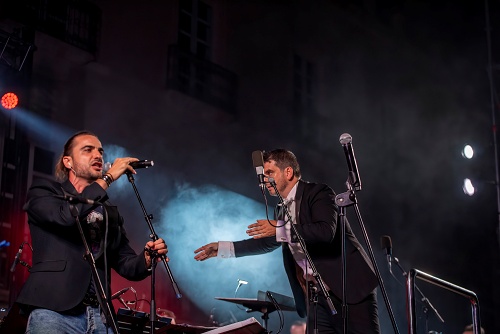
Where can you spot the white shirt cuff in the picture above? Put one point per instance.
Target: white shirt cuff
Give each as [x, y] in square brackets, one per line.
[226, 250]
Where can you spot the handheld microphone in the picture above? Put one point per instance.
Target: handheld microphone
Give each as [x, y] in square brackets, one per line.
[135, 165]
[386, 243]
[353, 179]
[119, 293]
[16, 258]
[77, 199]
[142, 164]
[258, 163]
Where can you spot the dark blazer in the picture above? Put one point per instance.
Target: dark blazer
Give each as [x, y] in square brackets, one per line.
[317, 223]
[60, 275]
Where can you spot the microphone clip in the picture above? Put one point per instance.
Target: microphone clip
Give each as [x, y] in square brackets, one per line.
[346, 199]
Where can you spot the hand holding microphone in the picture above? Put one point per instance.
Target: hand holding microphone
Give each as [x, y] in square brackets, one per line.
[120, 166]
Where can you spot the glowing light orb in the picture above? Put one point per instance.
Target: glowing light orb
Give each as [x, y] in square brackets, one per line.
[9, 100]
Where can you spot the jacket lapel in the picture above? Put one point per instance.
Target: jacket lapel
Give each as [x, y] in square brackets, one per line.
[298, 200]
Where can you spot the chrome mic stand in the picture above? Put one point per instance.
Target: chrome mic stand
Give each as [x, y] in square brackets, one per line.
[154, 256]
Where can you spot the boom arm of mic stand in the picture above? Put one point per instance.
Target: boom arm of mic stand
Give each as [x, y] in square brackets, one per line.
[316, 274]
[424, 299]
[154, 236]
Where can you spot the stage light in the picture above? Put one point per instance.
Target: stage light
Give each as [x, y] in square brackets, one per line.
[468, 187]
[9, 100]
[468, 152]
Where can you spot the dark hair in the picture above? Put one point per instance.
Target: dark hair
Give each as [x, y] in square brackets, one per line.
[283, 159]
[61, 172]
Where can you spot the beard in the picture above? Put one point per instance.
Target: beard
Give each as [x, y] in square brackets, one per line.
[281, 184]
[86, 172]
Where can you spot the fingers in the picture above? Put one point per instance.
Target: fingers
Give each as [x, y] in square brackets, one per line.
[261, 229]
[121, 166]
[206, 252]
[158, 245]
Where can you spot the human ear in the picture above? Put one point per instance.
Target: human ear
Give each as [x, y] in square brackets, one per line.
[67, 161]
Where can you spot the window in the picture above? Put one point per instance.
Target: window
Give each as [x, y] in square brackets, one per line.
[195, 28]
[304, 82]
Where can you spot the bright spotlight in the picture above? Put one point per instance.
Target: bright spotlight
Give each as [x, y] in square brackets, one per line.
[468, 152]
[9, 100]
[468, 187]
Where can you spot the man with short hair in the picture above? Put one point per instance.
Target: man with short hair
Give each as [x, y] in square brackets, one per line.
[314, 215]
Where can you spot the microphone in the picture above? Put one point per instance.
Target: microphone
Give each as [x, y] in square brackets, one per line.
[135, 165]
[142, 164]
[258, 163]
[16, 258]
[353, 179]
[386, 243]
[119, 293]
[77, 199]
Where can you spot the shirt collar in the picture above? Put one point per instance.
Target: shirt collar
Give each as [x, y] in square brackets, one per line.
[291, 194]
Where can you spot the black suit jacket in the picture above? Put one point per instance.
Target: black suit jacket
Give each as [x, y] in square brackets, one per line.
[317, 223]
[60, 276]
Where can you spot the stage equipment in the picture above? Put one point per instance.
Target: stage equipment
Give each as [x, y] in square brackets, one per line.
[154, 256]
[426, 302]
[344, 200]
[265, 303]
[410, 298]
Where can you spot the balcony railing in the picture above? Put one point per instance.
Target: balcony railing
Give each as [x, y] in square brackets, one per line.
[201, 79]
[76, 22]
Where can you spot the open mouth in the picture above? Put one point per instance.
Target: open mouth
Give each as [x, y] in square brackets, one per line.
[97, 165]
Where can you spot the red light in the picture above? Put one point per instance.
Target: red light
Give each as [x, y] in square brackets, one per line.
[9, 100]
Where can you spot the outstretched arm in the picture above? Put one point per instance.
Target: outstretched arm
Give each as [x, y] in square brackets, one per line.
[207, 251]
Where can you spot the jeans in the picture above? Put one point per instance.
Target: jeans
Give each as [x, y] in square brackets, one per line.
[42, 321]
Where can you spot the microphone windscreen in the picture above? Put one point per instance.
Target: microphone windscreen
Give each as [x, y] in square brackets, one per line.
[385, 242]
[345, 138]
[257, 159]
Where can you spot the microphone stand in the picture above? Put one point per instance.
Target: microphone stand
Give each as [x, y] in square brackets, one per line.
[344, 200]
[315, 274]
[154, 256]
[427, 303]
[101, 295]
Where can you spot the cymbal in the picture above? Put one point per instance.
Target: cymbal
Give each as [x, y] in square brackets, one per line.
[262, 303]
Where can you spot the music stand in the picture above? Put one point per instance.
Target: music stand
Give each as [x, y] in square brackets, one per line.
[263, 305]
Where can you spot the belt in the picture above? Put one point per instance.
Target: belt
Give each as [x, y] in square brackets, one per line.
[90, 300]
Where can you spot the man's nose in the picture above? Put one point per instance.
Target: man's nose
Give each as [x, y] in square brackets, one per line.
[97, 154]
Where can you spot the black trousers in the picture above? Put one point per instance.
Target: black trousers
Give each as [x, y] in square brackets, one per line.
[362, 318]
